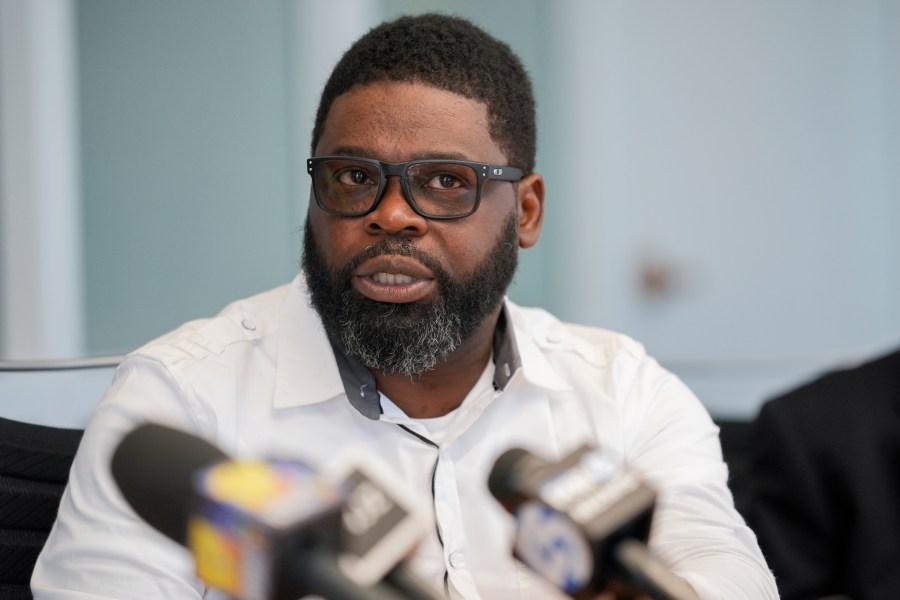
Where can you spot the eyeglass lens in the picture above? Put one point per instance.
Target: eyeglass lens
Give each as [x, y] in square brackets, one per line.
[439, 189]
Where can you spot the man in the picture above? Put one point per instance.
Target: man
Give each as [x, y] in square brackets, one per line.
[822, 483]
[423, 190]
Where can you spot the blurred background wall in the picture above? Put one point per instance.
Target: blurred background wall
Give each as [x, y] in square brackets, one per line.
[723, 177]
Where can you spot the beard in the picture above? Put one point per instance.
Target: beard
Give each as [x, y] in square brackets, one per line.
[407, 338]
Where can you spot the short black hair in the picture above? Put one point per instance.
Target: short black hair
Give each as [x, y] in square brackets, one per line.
[452, 54]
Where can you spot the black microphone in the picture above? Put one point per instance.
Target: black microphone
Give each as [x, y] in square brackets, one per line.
[272, 529]
[583, 523]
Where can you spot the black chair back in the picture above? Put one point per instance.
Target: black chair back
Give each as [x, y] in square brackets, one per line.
[34, 467]
[35, 459]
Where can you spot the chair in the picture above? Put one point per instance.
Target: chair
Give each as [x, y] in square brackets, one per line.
[34, 467]
[35, 458]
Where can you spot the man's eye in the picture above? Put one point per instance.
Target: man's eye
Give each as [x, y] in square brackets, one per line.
[354, 177]
[444, 181]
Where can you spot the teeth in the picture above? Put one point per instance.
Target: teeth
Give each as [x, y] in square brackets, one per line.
[391, 278]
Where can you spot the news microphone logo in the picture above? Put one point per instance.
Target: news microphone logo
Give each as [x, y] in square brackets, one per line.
[552, 545]
[242, 511]
[380, 520]
[245, 509]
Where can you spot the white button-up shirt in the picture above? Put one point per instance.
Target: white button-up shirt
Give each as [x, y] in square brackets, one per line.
[262, 379]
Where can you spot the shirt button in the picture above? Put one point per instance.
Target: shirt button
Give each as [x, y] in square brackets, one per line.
[248, 325]
[456, 559]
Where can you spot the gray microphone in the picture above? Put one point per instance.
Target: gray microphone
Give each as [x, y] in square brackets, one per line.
[583, 523]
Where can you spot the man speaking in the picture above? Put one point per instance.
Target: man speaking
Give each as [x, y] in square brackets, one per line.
[397, 339]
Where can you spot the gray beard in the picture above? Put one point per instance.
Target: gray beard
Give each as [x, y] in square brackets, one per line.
[407, 349]
[412, 338]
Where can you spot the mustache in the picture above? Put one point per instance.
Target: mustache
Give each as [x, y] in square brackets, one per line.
[394, 247]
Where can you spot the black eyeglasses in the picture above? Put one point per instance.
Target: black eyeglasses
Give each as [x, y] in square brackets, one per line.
[435, 189]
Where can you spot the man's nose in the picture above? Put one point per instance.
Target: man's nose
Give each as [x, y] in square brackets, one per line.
[394, 214]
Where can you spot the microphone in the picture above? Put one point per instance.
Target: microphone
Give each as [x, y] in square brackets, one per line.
[583, 523]
[273, 529]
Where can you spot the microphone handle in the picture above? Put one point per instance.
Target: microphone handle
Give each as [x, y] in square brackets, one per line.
[318, 572]
[651, 574]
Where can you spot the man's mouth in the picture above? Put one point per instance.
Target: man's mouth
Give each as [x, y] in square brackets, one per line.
[392, 278]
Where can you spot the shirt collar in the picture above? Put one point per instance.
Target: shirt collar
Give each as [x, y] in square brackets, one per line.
[534, 365]
[305, 373]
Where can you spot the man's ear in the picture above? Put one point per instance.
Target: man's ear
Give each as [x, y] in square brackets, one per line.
[530, 209]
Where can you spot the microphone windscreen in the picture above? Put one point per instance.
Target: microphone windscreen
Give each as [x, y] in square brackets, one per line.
[154, 467]
[504, 479]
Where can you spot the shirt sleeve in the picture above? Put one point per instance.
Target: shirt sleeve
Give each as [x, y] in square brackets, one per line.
[673, 442]
[98, 547]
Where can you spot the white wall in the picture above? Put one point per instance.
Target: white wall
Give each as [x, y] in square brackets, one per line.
[737, 150]
[187, 161]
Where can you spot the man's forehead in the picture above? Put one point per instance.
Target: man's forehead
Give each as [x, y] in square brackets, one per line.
[414, 119]
[409, 102]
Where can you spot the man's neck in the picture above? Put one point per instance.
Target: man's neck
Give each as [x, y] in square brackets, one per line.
[438, 391]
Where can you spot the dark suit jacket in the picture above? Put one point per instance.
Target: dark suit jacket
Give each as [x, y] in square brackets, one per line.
[822, 484]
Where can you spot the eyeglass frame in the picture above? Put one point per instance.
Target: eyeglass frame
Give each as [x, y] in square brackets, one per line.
[483, 172]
